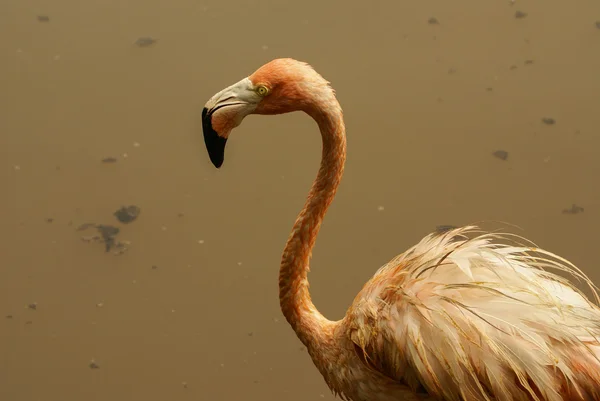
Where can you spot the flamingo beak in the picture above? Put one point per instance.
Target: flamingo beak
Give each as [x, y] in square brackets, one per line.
[215, 144]
[222, 113]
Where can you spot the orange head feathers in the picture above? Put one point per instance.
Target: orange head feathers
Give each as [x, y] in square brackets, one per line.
[280, 86]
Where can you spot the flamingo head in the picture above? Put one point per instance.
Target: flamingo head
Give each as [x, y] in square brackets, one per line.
[280, 86]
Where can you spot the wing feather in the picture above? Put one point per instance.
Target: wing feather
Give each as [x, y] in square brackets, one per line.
[469, 315]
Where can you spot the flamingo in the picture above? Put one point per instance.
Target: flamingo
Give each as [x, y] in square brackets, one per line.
[463, 315]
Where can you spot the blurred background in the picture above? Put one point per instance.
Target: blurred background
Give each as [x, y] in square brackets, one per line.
[457, 112]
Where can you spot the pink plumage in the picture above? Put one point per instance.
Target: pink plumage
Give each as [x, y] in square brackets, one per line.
[462, 315]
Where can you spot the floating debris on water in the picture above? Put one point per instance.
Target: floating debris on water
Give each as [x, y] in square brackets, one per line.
[145, 41]
[108, 232]
[520, 14]
[433, 21]
[444, 227]
[93, 365]
[43, 18]
[49, 220]
[127, 214]
[574, 209]
[109, 160]
[32, 306]
[501, 154]
[528, 62]
[107, 237]
[9, 316]
[548, 121]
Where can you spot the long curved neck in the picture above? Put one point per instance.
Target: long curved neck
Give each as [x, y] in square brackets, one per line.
[296, 304]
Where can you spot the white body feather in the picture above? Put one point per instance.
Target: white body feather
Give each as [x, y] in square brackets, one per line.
[471, 318]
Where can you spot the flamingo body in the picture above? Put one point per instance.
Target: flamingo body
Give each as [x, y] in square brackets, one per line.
[463, 315]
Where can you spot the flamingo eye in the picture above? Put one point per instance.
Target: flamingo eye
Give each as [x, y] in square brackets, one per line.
[262, 90]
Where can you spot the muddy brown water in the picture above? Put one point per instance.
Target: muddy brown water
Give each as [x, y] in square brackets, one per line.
[426, 105]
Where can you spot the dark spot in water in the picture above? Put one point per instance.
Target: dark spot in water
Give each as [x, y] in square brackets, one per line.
[513, 67]
[574, 209]
[43, 18]
[548, 121]
[49, 220]
[597, 24]
[127, 214]
[501, 154]
[520, 14]
[32, 306]
[108, 234]
[107, 231]
[444, 228]
[94, 365]
[145, 41]
[109, 160]
[154, 267]
[9, 316]
[528, 62]
[433, 21]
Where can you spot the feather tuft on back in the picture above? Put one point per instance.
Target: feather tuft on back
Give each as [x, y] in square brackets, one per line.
[469, 315]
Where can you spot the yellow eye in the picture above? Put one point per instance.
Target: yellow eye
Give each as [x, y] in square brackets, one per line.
[262, 90]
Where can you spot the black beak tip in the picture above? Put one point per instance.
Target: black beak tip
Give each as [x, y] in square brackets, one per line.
[215, 145]
[217, 163]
